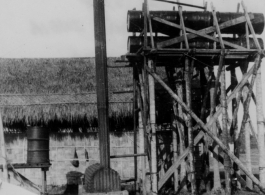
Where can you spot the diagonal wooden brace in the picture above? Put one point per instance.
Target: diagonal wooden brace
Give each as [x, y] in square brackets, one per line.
[207, 130]
[202, 33]
[229, 99]
[209, 124]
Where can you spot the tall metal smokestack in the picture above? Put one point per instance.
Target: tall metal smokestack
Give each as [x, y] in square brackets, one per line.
[102, 82]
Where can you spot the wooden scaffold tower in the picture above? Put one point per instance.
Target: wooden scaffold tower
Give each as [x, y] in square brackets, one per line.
[197, 60]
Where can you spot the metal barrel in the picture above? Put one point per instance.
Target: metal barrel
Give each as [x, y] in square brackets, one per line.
[193, 19]
[135, 43]
[38, 145]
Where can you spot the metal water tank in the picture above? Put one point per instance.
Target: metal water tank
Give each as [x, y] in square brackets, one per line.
[38, 145]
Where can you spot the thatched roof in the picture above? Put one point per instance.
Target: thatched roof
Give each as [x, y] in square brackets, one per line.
[36, 91]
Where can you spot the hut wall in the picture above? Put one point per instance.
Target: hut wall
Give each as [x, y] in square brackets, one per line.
[62, 147]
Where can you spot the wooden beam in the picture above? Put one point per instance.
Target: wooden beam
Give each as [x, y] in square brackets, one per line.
[206, 129]
[204, 31]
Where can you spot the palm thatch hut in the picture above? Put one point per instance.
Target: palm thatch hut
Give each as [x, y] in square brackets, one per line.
[60, 93]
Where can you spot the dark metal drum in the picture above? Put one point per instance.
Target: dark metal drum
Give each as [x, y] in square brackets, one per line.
[195, 20]
[38, 145]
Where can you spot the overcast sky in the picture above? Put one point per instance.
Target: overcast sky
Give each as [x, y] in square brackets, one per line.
[64, 28]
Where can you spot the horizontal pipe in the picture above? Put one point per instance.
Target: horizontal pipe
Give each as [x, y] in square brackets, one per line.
[127, 155]
[135, 43]
[195, 20]
[128, 180]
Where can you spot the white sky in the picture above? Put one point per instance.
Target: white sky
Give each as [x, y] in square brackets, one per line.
[64, 28]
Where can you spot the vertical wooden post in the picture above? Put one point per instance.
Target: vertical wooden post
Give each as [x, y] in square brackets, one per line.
[135, 126]
[234, 126]
[175, 148]
[260, 125]
[227, 162]
[153, 129]
[3, 150]
[259, 106]
[142, 145]
[181, 133]
[249, 182]
[189, 121]
[44, 181]
[152, 109]
[216, 179]
[179, 88]
[143, 105]
[144, 89]
[102, 82]
[245, 122]
[175, 123]
[188, 100]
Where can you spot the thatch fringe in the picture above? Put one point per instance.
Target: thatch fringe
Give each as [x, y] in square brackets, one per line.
[60, 91]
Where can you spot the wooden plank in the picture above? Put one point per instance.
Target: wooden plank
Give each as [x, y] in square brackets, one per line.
[203, 31]
[207, 130]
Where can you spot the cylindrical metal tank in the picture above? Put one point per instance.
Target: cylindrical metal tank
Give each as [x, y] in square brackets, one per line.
[38, 145]
[135, 43]
[193, 19]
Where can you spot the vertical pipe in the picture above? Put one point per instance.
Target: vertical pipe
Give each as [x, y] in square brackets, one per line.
[135, 126]
[260, 126]
[102, 82]
[153, 129]
[189, 121]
